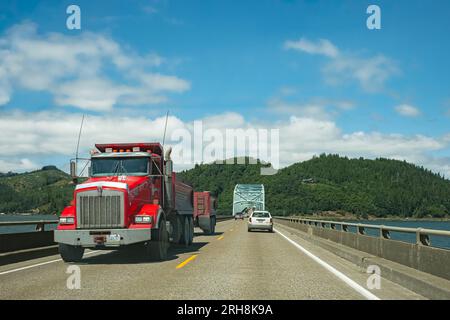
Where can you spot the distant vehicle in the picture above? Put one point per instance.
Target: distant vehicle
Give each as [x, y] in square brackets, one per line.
[239, 216]
[261, 220]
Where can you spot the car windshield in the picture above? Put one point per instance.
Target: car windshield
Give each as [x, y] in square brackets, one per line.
[119, 166]
[261, 214]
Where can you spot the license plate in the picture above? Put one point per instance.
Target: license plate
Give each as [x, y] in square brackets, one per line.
[114, 238]
[260, 220]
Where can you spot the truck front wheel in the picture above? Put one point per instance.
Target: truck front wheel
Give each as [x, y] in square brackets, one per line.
[158, 246]
[70, 253]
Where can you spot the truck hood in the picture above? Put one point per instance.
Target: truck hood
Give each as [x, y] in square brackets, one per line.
[120, 182]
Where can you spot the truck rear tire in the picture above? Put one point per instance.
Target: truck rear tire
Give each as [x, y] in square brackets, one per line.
[70, 253]
[185, 231]
[191, 230]
[158, 246]
[213, 224]
[177, 229]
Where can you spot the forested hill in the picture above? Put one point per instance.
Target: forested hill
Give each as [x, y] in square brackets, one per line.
[47, 191]
[327, 183]
[363, 187]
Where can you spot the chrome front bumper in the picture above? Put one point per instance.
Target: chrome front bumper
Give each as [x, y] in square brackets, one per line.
[112, 237]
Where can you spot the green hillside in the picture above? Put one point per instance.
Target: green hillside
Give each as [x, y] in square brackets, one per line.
[44, 191]
[362, 187]
[326, 183]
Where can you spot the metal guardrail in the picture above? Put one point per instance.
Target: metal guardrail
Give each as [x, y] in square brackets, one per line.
[422, 234]
[39, 223]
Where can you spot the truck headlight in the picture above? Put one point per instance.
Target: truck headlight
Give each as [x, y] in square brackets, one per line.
[66, 220]
[143, 219]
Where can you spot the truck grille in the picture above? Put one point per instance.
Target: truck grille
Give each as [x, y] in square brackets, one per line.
[96, 211]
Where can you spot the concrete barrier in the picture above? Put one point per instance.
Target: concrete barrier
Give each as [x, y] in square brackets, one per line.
[27, 254]
[432, 260]
[29, 240]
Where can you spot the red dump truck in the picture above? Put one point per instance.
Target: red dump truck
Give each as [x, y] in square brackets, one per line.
[132, 196]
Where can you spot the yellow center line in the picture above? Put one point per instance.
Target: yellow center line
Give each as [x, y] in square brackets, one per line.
[220, 238]
[185, 262]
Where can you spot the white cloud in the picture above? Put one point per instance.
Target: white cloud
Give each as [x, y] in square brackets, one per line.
[321, 46]
[319, 108]
[18, 165]
[74, 69]
[224, 121]
[407, 110]
[370, 72]
[159, 82]
[40, 135]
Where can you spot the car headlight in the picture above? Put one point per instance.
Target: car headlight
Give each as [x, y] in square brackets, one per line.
[66, 220]
[143, 219]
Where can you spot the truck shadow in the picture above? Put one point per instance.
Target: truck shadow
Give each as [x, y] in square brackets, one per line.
[136, 255]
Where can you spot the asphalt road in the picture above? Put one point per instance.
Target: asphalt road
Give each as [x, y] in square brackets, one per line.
[232, 264]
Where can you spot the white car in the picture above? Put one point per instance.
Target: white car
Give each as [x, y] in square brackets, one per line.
[261, 220]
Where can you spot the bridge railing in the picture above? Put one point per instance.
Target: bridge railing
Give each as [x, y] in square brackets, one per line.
[422, 234]
[40, 224]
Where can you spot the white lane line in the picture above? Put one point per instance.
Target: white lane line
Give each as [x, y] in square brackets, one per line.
[366, 293]
[39, 264]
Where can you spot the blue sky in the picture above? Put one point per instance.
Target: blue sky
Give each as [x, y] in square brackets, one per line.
[264, 62]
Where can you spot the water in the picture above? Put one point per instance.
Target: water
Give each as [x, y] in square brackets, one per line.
[26, 228]
[436, 241]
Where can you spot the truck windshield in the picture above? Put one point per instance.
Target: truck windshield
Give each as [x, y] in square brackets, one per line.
[119, 166]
